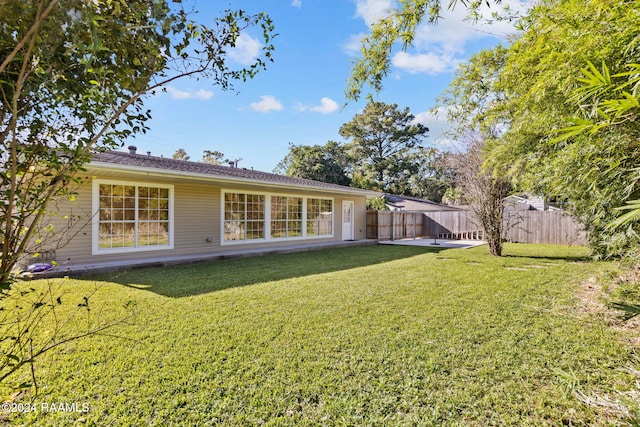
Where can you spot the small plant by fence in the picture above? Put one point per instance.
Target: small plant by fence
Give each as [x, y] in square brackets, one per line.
[554, 227]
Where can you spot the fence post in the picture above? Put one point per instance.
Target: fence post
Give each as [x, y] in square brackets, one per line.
[414, 226]
[393, 226]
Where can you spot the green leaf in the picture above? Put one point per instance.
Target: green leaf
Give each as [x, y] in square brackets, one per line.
[633, 207]
[630, 310]
[581, 126]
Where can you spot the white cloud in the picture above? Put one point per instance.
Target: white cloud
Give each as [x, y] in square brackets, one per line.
[441, 47]
[453, 31]
[326, 106]
[353, 44]
[189, 94]
[435, 121]
[296, 3]
[372, 10]
[266, 104]
[428, 63]
[246, 50]
[438, 127]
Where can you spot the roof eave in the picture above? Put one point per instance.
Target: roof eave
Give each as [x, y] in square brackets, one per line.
[147, 171]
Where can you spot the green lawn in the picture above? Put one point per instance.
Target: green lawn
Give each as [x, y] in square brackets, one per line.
[378, 335]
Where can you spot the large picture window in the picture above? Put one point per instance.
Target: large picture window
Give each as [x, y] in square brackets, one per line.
[319, 217]
[244, 216]
[132, 216]
[253, 216]
[286, 217]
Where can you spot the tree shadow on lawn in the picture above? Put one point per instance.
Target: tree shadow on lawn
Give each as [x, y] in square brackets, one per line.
[566, 258]
[547, 252]
[205, 277]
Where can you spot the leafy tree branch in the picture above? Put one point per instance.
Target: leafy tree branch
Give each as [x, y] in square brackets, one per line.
[74, 79]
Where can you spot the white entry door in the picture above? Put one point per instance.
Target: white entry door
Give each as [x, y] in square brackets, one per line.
[347, 220]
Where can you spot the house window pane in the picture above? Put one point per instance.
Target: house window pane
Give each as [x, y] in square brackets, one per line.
[319, 217]
[129, 202]
[286, 217]
[163, 233]
[104, 235]
[243, 216]
[234, 230]
[105, 214]
[133, 216]
[129, 234]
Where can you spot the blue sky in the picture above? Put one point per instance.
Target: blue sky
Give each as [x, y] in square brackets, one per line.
[300, 99]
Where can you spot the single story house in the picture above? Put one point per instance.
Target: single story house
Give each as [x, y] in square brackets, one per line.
[137, 209]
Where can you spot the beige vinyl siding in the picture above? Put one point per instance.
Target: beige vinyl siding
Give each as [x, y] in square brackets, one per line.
[359, 213]
[71, 236]
[360, 216]
[197, 217]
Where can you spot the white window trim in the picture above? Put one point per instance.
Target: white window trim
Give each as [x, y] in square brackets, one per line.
[267, 218]
[95, 219]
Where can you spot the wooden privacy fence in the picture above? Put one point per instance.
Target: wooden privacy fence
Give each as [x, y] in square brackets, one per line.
[394, 225]
[451, 225]
[553, 227]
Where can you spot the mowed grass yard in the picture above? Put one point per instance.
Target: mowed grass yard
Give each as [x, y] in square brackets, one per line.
[367, 336]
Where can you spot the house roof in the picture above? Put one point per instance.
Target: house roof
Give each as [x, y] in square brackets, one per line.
[406, 203]
[535, 203]
[165, 166]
